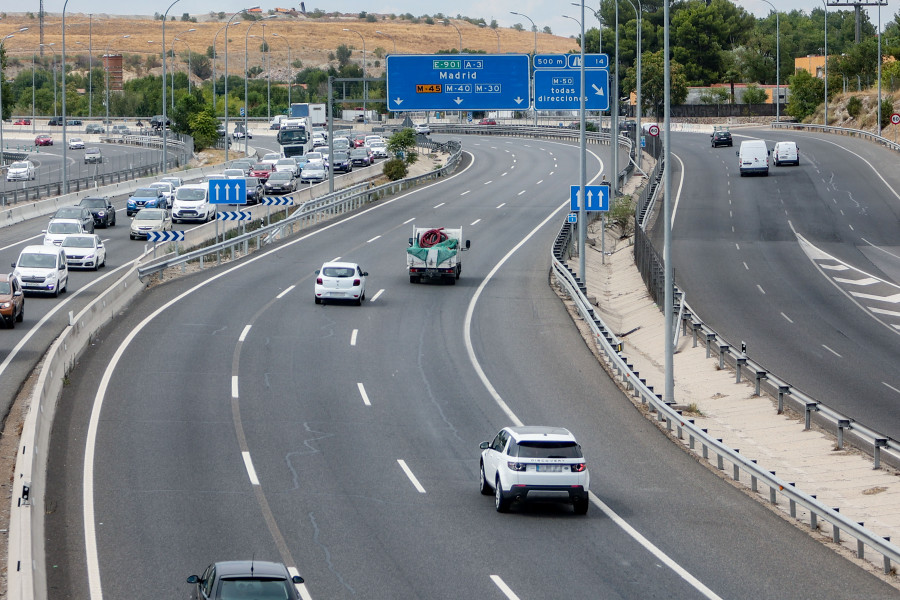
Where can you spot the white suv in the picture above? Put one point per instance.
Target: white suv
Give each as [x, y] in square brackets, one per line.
[540, 462]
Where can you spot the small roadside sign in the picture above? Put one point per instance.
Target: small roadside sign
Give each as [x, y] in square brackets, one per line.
[653, 130]
[572, 218]
[597, 197]
[895, 118]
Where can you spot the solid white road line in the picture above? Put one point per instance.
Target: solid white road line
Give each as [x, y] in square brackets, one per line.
[890, 386]
[832, 351]
[285, 292]
[336, 258]
[504, 588]
[301, 587]
[787, 318]
[377, 295]
[373, 239]
[362, 392]
[244, 333]
[234, 386]
[412, 477]
[353, 337]
[251, 472]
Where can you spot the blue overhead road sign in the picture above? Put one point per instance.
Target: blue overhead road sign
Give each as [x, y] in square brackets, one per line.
[591, 61]
[228, 191]
[597, 197]
[561, 89]
[457, 82]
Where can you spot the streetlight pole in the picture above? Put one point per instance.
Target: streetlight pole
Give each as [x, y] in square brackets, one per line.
[393, 41]
[879, 68]
[824, 5]
[638, 133]
[582, 171]
[177, 39]
[215, 38]
[268, 83]
[226, 80]
[165, 119]
[290, 67]
[483, 26]
[52, 49]
[669, 274]
[365, 83]
[90, 65]
[3, 39]
[65, 163]
[246, 77]
[777, 63]
[534, 53]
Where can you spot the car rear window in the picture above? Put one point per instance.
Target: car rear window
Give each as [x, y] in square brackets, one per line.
[528, 449]
[338, 272]
[190, 194]
[257, 588]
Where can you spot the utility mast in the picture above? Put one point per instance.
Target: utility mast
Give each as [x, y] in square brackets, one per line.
[856, 4]
[41, 20]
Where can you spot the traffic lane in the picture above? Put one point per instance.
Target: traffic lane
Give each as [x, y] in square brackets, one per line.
[658, 489]
[745, 274]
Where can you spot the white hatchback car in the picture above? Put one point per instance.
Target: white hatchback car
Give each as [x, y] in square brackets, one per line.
[58, 229]
[341, 281]
[85, 251]
[537, 462]
[22, 170]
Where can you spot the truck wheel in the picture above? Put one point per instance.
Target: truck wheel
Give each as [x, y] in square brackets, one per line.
[414, 279]
[458, 271]
[318, 300]
[452, 280]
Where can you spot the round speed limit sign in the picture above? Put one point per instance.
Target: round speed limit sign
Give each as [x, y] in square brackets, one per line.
[654, 130]
[895, 118]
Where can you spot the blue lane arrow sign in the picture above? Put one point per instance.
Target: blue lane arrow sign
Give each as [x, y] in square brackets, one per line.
[241, 215]
[277, 200]
[165, 236]
[597, 197]
[228, 191]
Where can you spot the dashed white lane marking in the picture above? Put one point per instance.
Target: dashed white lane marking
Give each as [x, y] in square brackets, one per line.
[465, 192]
[336, 258]
[22, 242]
[552, 172]
[362, 392]
[504, 588]
[865, 281]
[504, 203]
[520, 193]
[353, 337]
[251, 472]
[746, 267]
[440, 205]
[489, 182]
[301, 587]
[474, 222]
[377, 295]
[408, 221]
[412, 477]
[550, 153]
[514, 160]
[234, 386]
[512, 167]
[787, 318]
[244, 333]
[737, 246]
[835, 267]
[851, 227]
[832, 351]
[540, 182]
[504, 174]
[373, 239]
[760, 288]
[285, 292]
[890, 386]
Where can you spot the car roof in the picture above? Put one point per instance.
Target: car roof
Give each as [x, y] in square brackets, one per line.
[40, 249]
[66, 220]
[541, 433]
[236, 568]
[81, 235]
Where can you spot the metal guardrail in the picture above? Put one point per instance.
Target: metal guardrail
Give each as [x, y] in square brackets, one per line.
[307, 215]
[673, 419]
[862, 133]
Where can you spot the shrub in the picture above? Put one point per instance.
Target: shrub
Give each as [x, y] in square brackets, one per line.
[854, 105]
[395, 169]
[621, 214]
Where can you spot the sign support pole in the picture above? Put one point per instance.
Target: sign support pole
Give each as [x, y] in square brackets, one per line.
[582, 201]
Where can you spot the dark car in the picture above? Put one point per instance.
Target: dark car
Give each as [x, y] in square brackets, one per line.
[342, 162]
[255, 190]
[360, 157]
[156, 122]
[280, 182]
[55, 122]
[721, 138]
[245, 579]
[94, 128]
[102, 210]
[76, 212]
[12, 300]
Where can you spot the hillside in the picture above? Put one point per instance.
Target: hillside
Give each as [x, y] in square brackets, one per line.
[310, 40]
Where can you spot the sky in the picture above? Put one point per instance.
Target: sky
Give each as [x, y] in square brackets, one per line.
[543, 12]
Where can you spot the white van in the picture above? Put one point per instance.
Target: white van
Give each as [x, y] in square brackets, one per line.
[786, 153]
[192, 204]
[42, 269]
[753, 157]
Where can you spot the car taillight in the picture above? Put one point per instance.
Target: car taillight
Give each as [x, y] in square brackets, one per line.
[515, 466]
[319, 280]
[578, 467]
[357, 282]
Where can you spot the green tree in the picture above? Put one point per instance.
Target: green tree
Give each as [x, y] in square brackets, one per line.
[754, 95]
[702, 32]
[716, 95]
[342, 53]
[4, 84]
[806, 94]
[652, 88]
[204, 129]
[403, 141]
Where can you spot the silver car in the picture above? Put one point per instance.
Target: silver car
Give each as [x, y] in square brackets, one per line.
[313, 173]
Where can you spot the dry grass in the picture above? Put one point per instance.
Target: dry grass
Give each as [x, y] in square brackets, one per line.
[311, 41]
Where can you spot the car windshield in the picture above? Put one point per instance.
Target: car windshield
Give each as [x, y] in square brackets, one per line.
[78, 241]
[190, 194]
[64, 228]
[252, 182]
[174, 182]
[262, 167]
[76, 139]
[5, 288]
[92, 151]
[149, 215]
[283, 175]
[39, 261]
[338, 271]
[257, 589]
[314, 156]
[359, 152]
[145, 193]
[18, 165]
[68, 212]
[341, 156]
[529, 449]
[94, 203]
[160, 185]
[313, 168]
[272, 156]
[286, 161]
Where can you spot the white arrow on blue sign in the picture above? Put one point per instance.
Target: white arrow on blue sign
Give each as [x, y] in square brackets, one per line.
[277, 200]
[240, 215]
[597, 197]
[165, 236]
[228, 191]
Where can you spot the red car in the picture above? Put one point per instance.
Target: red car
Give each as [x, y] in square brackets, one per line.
[43, 140]
[359, 140]
[487, 122]
[262, 171]
[23, 122]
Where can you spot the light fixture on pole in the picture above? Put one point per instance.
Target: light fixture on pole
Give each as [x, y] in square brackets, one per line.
[365, 83]
[390, 37]
[533, 54]
[290, 67]
[106, 55]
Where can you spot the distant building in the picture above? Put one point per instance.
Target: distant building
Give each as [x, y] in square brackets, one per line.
[812, 64]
